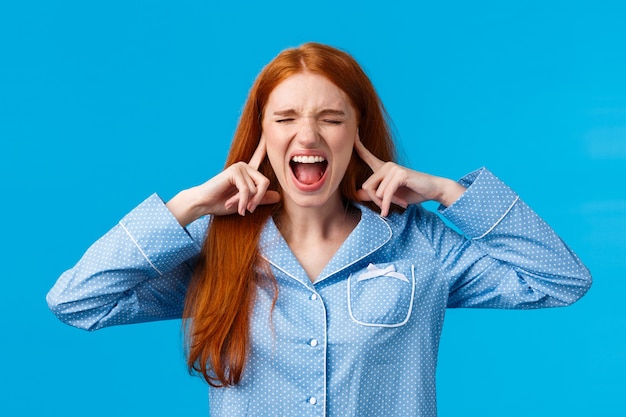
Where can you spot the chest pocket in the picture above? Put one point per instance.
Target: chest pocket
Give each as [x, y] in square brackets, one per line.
[382, 295]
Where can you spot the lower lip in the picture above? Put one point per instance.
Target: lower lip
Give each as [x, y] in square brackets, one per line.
[309, 188]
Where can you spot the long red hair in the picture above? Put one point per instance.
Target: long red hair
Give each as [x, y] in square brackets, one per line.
[220, 297]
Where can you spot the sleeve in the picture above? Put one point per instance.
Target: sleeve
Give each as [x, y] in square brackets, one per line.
[507, 256]
[136, 272]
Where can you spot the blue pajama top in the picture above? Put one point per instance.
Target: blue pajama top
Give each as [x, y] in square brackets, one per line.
[362, 339]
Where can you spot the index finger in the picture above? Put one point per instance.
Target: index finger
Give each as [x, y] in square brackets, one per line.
[367, 157]
[259, 154]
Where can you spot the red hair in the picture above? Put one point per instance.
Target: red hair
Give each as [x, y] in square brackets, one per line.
[220, 297]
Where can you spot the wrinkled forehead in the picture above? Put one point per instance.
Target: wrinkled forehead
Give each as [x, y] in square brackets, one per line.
[308, 93]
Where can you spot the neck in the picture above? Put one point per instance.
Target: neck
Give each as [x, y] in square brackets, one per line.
[316, 224]
[314, 234]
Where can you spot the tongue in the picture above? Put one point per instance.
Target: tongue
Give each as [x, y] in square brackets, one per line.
[308, 173]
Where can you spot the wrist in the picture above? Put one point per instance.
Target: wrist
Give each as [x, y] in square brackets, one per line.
[184, 207]
[449, 192]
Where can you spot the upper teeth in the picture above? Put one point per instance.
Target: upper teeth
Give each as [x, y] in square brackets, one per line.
[308, 159]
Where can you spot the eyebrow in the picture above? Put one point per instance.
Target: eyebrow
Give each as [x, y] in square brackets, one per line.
[325, 112]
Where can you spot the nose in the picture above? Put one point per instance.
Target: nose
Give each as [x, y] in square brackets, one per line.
[308, 134]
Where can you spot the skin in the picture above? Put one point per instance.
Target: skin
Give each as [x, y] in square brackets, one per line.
[306, 114]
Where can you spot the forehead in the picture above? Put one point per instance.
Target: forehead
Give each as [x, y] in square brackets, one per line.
[306, 92]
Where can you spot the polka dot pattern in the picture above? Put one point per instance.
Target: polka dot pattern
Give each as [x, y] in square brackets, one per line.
[341, 346]
[137, 272]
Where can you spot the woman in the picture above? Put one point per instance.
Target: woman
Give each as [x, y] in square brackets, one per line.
[304, 300]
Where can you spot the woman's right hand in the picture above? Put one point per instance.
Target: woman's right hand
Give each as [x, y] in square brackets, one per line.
[238, 188]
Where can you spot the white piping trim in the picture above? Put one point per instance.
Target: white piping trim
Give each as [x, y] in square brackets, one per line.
[499, 220]
[325, 354]
[305, 284]
[365, 255]
[340, 268]
[321, 300]
[140, 250]
[402, 323]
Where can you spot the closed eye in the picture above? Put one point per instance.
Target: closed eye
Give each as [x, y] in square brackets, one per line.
[333, 122]
[286, 120]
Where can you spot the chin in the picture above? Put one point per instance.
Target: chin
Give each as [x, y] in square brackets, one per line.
[317, 200]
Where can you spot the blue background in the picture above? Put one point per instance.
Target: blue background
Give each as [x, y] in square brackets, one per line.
[103, 103]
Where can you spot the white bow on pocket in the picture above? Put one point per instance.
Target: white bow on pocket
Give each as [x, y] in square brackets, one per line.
[373, 271]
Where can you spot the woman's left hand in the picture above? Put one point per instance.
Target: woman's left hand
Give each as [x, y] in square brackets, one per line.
[392, 183]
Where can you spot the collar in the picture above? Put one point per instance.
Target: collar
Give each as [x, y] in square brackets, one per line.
[369, 235]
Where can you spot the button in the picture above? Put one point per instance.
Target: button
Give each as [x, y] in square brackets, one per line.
[313, 297]
[313, 342]
[312, 400]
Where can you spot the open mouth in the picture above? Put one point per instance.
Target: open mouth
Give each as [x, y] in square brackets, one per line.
[308, 169]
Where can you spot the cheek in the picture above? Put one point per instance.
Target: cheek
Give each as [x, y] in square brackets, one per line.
[343, 142]
[274, 147]
[276, 156]
[346, 151]
[275, 135]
